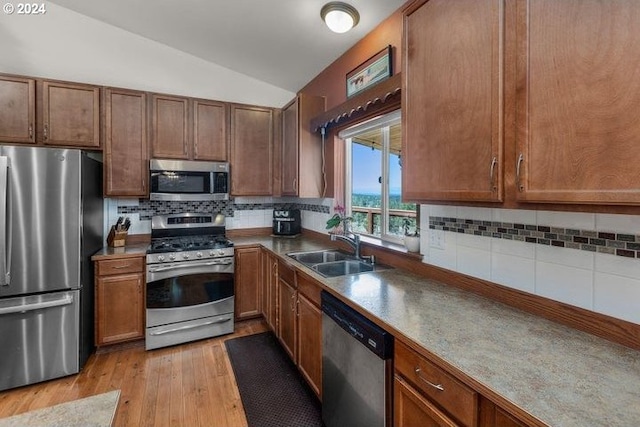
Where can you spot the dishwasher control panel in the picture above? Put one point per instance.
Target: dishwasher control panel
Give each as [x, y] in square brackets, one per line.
[359, 327]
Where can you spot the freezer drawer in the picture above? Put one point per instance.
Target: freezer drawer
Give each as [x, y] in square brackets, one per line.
[39, 338]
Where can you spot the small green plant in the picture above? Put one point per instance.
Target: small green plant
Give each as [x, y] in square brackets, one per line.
[407, 229]
[338, 218]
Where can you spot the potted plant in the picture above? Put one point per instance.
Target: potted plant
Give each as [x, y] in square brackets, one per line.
[411, 238]
[338, 222]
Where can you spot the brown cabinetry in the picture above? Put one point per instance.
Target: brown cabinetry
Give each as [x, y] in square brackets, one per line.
[309, 332]
[492, 415]
[269, 288]
[434, 385]
[169, 127]
[126, 159]
[411, 409]
[301, 148]
[247, 282]
[188, 129]
[287, 324]
[119, 300]
[70, 114]
[17, 110]
[251, 150]
[452, 100]
[577, 101]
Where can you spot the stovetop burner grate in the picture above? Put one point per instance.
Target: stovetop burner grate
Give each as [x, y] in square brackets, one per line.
[189, 243]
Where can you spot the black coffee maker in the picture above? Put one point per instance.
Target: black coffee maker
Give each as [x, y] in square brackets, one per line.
[286, 222]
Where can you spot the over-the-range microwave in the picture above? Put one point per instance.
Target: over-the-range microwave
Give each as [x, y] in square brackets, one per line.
[183, 180]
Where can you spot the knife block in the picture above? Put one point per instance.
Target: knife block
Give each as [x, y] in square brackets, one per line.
[115, 238]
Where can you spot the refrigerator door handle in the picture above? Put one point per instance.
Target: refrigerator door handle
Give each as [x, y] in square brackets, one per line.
[4, 196]
[23, 308]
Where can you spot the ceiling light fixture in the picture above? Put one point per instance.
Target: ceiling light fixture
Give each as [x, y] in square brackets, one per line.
[340, 17]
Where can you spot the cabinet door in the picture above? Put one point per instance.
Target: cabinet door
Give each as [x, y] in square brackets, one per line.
[413, 410]
[290, 149]
[452, 101]
[247, 283]
[209, 130]
[310, 342]
[287, 317]
[269, 292]
[578, 101]
[70, 114]
[251, 150]
[119, 308]
[17, 110]
[492, 415]
[169, 127]
[126, 160]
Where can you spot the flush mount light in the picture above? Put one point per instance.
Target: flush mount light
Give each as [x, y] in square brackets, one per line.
[339, 17]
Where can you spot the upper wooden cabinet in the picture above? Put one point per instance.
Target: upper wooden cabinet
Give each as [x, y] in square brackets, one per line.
[452, 100]
[301, 149]
[70, 114]
[126, 158]
[251, 150]
[209, 130]
[50, 113]
[17, 109]
[169, 127]
[577, 101]
[189, 129]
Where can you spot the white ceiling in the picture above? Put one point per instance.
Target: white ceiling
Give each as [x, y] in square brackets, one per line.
[281, 42]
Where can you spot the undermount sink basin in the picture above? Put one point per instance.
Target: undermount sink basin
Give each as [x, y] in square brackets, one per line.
[342, 268]
[319, 257]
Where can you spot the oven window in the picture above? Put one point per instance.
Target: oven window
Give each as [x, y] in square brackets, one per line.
[181, 182]
[189, 290]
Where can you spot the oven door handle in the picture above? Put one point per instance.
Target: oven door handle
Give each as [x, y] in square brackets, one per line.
[182, 328]
[191, 265]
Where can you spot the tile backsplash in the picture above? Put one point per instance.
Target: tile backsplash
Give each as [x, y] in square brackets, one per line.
[583, 259]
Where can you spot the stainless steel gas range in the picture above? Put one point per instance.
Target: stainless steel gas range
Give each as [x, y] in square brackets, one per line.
[190, 265]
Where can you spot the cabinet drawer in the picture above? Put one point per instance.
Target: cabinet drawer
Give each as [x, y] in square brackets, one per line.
[286, 273]
[457, 399]
[119, 266]
[309, 288]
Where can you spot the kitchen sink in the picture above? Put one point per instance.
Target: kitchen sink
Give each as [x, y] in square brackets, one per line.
[342, 268]
[318, 257]
[334, 262]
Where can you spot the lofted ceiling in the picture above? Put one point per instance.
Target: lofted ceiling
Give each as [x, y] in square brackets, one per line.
[280, 42]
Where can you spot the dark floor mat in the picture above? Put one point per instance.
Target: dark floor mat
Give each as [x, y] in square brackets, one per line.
[273, 392]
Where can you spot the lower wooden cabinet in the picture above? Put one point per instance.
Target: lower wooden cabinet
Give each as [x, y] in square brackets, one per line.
[287, 320]
[310, 332]
[492, 415]
[411, 409]
[247, 282]
[458, 402]
[269, 289]
[119, 300]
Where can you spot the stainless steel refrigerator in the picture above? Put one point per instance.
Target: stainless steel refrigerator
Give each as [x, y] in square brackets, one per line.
[51, 215]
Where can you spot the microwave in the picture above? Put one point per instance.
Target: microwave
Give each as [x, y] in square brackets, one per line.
[183, 180]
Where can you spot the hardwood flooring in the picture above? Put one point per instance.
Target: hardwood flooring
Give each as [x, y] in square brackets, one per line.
[186, 385]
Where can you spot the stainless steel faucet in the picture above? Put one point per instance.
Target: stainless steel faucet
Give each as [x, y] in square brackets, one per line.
[354, 241]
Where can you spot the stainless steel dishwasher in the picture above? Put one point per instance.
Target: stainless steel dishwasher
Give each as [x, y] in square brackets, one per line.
[356, 368]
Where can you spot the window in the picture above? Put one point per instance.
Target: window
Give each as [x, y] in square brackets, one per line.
[373, 179]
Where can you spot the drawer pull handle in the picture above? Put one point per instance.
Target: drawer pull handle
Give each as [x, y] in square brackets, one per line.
[436, 386]
[118, 267]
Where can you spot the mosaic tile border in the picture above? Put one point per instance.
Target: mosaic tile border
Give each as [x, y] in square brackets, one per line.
[620, 244]
[148, 208]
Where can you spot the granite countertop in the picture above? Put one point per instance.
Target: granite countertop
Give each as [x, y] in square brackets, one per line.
[121, 252]
[560, 375]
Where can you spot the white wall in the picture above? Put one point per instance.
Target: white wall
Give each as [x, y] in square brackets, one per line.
[599, 282]
[65, 45]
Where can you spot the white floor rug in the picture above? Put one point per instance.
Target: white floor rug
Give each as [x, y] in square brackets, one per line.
[93, 411]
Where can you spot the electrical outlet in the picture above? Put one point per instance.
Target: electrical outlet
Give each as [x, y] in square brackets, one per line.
[436, 239]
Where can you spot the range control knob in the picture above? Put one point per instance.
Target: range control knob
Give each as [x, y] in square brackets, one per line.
[185, 256]
[161, 258]
[172, 257]
[220, 252]
[199, 254]
[212, 253]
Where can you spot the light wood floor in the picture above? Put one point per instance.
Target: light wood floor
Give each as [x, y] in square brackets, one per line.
[186, 385]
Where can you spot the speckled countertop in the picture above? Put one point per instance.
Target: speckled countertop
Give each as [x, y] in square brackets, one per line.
[559, 375]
